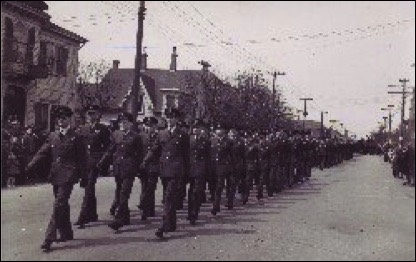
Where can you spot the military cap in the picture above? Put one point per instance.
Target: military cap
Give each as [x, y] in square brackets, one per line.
[63, 111]
[150, 120]
[183, 124]
[172, 112]
[198, 123]
[126, 116]
[92, 108]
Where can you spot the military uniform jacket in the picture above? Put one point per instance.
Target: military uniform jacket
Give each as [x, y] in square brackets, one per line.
[200, 155]
[67, 155]
[239, 150]
[97, 139]
[173, 148]
[149, 140]
[222, 151]
[126, 150]
[252, 155]
[265, 154]
[30, 144]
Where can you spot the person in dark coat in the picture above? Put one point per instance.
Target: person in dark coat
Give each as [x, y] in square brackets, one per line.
[151, 173]
[200, 158]
[97, 139]
[66, 151]
[172, 147]
[127, 152]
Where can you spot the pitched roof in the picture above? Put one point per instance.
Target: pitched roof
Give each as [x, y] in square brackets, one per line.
[121, 80]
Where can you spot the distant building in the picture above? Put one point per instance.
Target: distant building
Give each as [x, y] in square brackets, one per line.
[160, 88]
[39, 63]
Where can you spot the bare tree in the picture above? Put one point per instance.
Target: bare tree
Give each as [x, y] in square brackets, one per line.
[91, 88]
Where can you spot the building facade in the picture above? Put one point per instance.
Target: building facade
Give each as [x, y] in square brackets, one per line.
[39, 64]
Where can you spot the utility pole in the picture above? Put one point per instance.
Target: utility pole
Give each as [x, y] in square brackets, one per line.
[404, 93]
[138, 62]
[305, 110]
[322, 123]
[275, 74]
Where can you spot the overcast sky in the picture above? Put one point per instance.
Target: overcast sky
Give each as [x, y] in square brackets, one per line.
[342, 54]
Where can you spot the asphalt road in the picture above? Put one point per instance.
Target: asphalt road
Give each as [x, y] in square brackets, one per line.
[356, 211]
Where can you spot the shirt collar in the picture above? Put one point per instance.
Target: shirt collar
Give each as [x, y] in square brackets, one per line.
[64, 131]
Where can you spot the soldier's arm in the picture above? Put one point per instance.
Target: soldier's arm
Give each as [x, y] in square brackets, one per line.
[106, 137]
[155, 150]
[108, 154]
[81, 151]
[43, 154]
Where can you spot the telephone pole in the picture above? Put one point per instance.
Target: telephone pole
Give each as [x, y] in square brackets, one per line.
[275, 74]
[404, 93]
[305, 111]
[322, 123]
[138, 62]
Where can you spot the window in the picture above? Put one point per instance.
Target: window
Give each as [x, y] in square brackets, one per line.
[42, 59]
[30, 46]
[10, 45]
[62, 59]
[170, 101]
[42, 116]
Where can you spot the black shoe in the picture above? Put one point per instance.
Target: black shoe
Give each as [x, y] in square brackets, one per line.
[114, 225]
[144, 218]
[214, 212]
[93, 219]
[192, 221]
[112, 212]
[64, 239]
[46, 246]
[81, 225]
[159, 233]
[230, 207]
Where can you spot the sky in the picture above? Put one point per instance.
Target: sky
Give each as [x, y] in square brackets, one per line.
[342, 54]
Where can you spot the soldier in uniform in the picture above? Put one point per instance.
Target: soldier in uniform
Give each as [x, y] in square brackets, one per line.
[238, 160]
[200, 146]
[252, 164]
[172, 145]
[183, 181]
[151, 173]
[97, 139]
[223, 162]
[67, 152]
[126, 149]
[264, 163]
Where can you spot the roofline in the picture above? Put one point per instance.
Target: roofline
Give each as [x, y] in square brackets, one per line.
[54, 28]
[27, 8]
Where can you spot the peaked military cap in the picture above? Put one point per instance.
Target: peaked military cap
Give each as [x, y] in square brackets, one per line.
[63, 111]
[126, 116]
[150, 120]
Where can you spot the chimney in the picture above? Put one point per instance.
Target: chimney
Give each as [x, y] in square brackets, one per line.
[173, 63]
[116, 63]
[144, 60]
[205, 65]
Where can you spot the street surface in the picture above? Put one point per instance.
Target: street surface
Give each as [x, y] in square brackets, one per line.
[355, 211]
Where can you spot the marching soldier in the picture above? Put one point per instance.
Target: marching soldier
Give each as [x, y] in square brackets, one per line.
[200, 146]
[151, 172]
[265, 164]
[238, 160]
[97, 139]
[252, 159]
[185, 175]
[66, 150]
[126, 149]
[223, 161]
[171, 144]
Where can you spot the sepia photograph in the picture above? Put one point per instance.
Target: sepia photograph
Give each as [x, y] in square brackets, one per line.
[208, 130]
